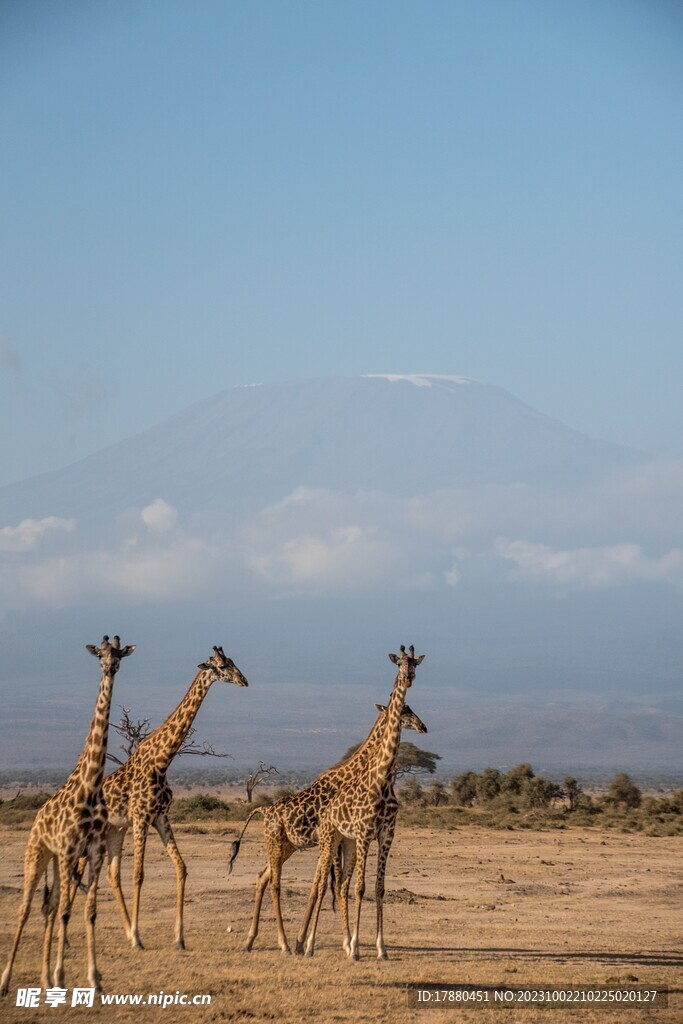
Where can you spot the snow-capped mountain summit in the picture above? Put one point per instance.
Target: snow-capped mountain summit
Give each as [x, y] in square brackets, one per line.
[399, 434]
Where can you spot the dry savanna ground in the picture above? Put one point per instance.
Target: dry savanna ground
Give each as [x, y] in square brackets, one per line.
[468, 905]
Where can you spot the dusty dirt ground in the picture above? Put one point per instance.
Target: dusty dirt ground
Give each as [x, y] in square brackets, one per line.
[472, 905]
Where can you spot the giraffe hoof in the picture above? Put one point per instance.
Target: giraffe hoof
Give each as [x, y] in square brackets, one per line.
[286, 951]
[382, 956]
[180, 944]
[299, 949]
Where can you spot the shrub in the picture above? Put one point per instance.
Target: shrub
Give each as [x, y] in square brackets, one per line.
[515, 781]
[412, 793]
[22, 808]
[573, 791]
[539, 792]
[464, 789]
[282, 793]
[623, 792]
[437, 794]
[200, 807]
[488, 785]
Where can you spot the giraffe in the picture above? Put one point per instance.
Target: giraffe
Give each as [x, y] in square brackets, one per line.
[138, 794]
[342, 871]
[291, 824]
[352, 814]
[70, 825]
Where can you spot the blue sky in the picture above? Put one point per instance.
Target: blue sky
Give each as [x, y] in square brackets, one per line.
[196, 195]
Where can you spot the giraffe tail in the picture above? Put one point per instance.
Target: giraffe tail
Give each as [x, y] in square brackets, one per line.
[46, 897]
[235, 849]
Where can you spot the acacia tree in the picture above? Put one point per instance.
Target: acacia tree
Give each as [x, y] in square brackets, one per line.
[410, 760]
[134, 732]
[623, 790]
[258, 777]
[573, 789]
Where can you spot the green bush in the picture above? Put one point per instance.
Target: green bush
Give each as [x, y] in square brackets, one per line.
[623, 792]
[200, 807]
[488, 785]
[464, 789]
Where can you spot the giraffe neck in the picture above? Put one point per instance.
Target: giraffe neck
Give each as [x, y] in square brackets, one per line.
[373, 742]
[90, 766]
[167, 740]
[381, 765]
[362, 753]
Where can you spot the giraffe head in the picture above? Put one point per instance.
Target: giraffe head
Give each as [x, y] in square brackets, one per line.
[409, 719]
[407, 663]
[110, 654]
[223, 668]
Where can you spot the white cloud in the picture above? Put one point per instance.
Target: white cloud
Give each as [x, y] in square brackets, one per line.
[184, 569]
[154, 563]
[28, 534]
[346, 556]
[592, 567]
[159, 515]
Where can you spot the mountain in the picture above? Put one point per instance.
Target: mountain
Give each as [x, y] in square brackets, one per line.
[403, 435]
[311, 527]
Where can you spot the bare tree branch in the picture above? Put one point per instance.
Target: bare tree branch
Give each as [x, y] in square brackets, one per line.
[258, 776]
[133, 733]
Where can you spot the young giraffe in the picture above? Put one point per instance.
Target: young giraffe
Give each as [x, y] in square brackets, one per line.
[353, 812]
[345, 862]
[70, 825]
[291, 824]
[138, 794]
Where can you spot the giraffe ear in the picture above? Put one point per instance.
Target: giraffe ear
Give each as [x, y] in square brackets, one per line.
[203, 664]
[127, 650]
[394, 658]
[381, 707]
[93, 650]
[418, 661]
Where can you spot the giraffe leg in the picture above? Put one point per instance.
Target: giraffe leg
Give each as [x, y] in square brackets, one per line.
[362, 856]
[328, 850]
[94, 866]
[140, 829]
[64, 866]
[163, 827]
[36, 860]
[385, 839]
[261, 883]
[114, 840]
[50, 912]
[348, 847]
[277, 859]
[312, 899]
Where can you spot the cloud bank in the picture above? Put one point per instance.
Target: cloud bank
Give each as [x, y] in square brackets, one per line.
[617, 531]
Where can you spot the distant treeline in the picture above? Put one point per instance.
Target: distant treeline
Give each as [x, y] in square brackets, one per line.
[520, 798]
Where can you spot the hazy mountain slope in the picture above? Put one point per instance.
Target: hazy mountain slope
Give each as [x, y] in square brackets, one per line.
[253, 444]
